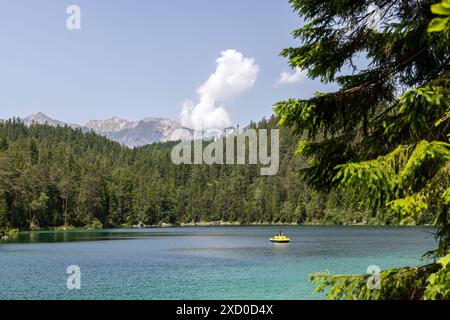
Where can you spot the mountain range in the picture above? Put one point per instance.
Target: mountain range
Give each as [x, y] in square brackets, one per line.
[129, 133]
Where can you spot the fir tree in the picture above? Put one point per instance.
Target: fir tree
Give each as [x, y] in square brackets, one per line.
[384, 133]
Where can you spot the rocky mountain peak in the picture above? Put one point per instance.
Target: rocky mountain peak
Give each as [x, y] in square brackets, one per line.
[129, 133]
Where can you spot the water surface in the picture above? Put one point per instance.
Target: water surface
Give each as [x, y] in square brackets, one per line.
[199, 263]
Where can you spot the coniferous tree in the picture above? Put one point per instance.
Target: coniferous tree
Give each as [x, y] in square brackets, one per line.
[384, 133]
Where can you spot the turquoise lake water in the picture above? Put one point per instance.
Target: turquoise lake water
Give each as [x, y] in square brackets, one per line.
[199, 263]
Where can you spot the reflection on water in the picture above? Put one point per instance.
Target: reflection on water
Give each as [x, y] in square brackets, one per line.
[120, 234]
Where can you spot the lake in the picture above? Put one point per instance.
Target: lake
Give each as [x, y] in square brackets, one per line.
[200, 262]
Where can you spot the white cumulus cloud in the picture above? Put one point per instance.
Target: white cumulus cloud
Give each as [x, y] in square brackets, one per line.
[234, 75]
[288, 78]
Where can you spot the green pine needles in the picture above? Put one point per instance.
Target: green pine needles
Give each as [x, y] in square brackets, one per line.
[384, 134]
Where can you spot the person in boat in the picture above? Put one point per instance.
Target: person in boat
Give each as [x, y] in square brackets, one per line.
[280, 233]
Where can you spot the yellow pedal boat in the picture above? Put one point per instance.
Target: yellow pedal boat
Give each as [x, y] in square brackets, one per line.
[280, 239]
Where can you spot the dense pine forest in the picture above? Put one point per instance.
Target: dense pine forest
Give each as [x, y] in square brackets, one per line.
[57, 176]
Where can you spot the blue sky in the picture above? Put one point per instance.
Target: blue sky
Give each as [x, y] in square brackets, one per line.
[140, 58]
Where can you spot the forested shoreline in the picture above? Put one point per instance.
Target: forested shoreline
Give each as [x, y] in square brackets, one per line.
[57, 176]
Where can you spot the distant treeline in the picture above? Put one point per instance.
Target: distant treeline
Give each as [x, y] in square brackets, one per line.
[55, 176]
